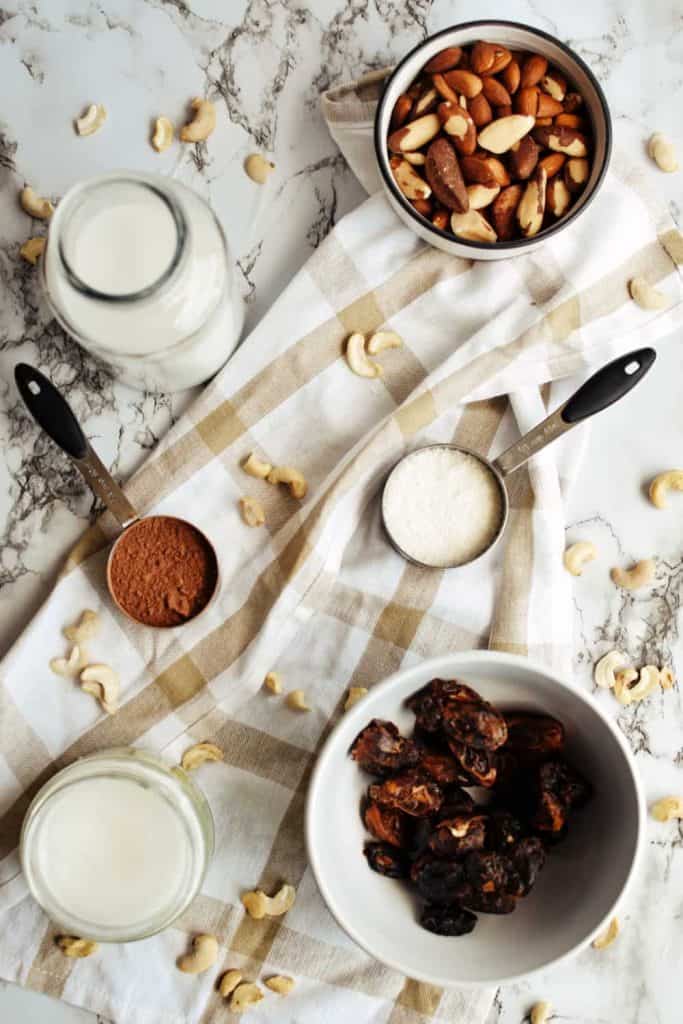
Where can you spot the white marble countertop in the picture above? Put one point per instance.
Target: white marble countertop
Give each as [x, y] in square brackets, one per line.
[266, 61]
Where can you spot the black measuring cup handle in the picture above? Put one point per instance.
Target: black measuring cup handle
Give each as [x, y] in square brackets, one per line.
[608, 385]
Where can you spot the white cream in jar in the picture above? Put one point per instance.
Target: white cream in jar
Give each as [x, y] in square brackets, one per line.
[115, 846]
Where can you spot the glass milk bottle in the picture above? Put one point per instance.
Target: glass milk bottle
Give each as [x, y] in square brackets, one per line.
[137, 269]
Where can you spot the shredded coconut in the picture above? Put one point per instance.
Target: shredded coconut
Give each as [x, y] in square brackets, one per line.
[442, 506]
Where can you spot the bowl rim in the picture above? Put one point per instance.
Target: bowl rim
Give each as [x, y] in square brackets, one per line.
[438, 665]
[515, 245]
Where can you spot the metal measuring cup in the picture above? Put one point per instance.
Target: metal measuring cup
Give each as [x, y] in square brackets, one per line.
[602, 389]
[55, 416]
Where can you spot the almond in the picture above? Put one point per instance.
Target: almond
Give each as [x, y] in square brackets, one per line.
[480, 110]
[571, 121]
[504, 210]
[440, 218]
[414, 135]
[411, 184]
[444, 89]
[444, 175]
[495, 93]
[481, 196]
[426, 102]
[489, 58]
[576, 174]
[402, 108]
[466, 82]
[472, 226]
[562, 140]
[532, 205]
[557, 196]
[524, 157]
[552, 163]
[554, 84]
[458, 124]
[444, 60]
[511, 76]
[533, 70]
[547, 106]
[484, 170]
[423, 206]
[572, 102]
[500, 135]
[526, 101]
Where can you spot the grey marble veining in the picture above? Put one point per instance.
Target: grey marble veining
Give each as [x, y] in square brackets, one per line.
[264, 62]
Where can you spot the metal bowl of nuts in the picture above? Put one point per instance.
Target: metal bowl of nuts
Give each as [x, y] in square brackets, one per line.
[473, 819]
[490, 137]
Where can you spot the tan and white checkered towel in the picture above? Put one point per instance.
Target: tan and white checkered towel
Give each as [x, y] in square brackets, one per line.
[318, 594]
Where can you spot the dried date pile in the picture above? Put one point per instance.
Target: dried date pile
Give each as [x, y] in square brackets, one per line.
[460, 857]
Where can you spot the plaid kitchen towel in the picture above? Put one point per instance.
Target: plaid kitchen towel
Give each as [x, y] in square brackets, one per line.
[317, 594]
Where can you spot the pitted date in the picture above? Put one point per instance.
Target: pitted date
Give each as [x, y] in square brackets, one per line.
[551, 813]
[476, 725]
[532, 735]
[384, 823]
[428, 703]
[412, 792]
[503, 830]
[488, 871]
[447, 920]
[478, 766]
[386, 860]
[456, 837]
[527, 858]
[560, 778]
[437, 880]
[381, 750]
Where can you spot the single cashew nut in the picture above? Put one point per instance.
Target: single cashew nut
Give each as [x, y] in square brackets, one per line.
[86, 627]
[204, 955]
[296, 700]
[202, 124]
[295, 480]
[662, 151]
[608, 936]
[34, 205]
[253, 512]
[666, 678]
[540, 1013]
[607, 666]
[672, 480]
[102, 682]
[258, 905]
[163, 134]
[199, 754]
[640, 575]
[645, 296]
[281, 984]
[622, 684]
[577, 555]
[76, 948]
[355, 694]
[668, 808]
[92, 120]
[71, 666]
[245, 995]
[648, 680]
[382, 340]
[229, 982]
[32, 250]
[258, 168]
[273, 682]
[357, 358]
[256, 467]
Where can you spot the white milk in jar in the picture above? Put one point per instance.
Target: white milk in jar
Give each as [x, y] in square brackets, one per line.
[137, 269]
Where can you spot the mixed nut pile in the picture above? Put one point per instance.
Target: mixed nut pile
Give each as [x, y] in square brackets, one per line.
[462, 857]
[491, 144]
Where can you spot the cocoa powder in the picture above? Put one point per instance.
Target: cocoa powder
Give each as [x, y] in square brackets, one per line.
[162, 571]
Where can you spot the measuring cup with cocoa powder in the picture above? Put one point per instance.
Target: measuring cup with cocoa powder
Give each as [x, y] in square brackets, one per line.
[162, 571]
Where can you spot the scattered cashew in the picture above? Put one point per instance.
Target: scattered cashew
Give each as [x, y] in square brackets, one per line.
[296, 700]
[86, 627]
[229, 982]
[290, 476]
[281, 984]
[622, 681]
[662, 151]
[202, 124]
[648, 680]
[382, 340]
[163, 134]
[540, 1013]
[252, 511]
[672, 480]
[608, 936]
[92, 120]
[607, 666]
[71, 666]
[577, 555]
[639, 575]
[204, 955]
[666, 678]
[245, 995]
[76, 948]
[34, 205]
[258, 168]
[256, 467]
[258, 905]
[357, 357]
[273, 682]
[668, 808]
[102, 682]
[645, 296]
[355, 694]
[199, 754]
[32, 250]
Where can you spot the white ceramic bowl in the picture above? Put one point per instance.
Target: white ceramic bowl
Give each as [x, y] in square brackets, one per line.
[516, 37]
[585, 876]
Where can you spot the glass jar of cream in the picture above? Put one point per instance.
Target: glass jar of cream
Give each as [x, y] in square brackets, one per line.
[137, 269]
[115, 847]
